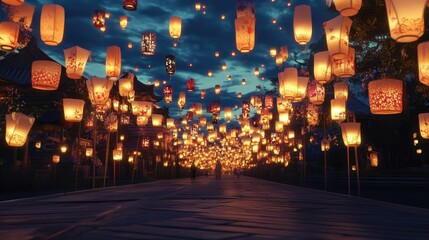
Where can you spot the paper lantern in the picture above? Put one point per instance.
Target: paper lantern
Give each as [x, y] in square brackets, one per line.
[113, 62]
[348, 8]
[256, 72]
[345, 68]
[198, 6]
[351, 134]
[284, 52]
[203, 94]
[45, 75]
[168, 94]
[126, 84]
[190, 85]
[117, 155]
[22, 14]
[89, 151]
[148, 45]
[73, 109]
[289, 83]
[130, 5]
[52, 21]
[279, 60]
[56, 159]
[322, 67]
[228, 114]
[245, 33]
[170, 65]
[229, 77]
[341, 90]
[75, 59]
[215, 107]
[243, 81]
[111, 122]
[338, 109]
[18, 126]
[181, 101]
[273, 52]
[316, 93]
[13, 2]
[170, 123]
[385, 96]
[98, 90]
[337, 36]
[268, 102]
[325, 145]
[123, 22]
[284, 118]
[175, 27]
[157, 120]
[302, 26]
[301, 88]
[423, 60]
[9, 33]
[223, 67]
[312, 115]
[283, 104]
[239, 95]
[373, 158]
[99, 18]
[424, 125]
[142, 108]
[217, 89]
[406, 19]
[142, 120]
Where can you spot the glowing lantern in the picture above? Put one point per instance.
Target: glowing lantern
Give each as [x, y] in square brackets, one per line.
[256, 72]
[337, 36]
[142, 121]
[45, 75]
[142, 108]
[273, 52]
[245, 33]
[424, 125]
[279, 60]
[157, 120]
[385, 96]
[209, 73]
[269, 102]
[351, 134]
[325, 145]
[284, 52]
[302, 25]
[198, 6]
[18, 126]
[182, 100]
[284, 118]
[198, 109]
[423, 59]
[345, 68]
[113, 62]
[348, 8]
[99, 18]
[123, 22]
[338, 109]
[223, 67]
[217, 89]
[215, 107]
[111, 122]
[56, 159]
[341, 90]
[170, 123]
[312, 115]
[117, 155]
[203, 94]
[130, 5]
[156, 83]
[168, 94]
[190, 85]
[301, 88]
[243, 81]
[239, 95]
[76, 58]
[322, 67]
[148, 44]
[291, 134]
[98, 90]
[13, 2]
[217, 54]
[52, 24]
[170, 65]
[9, 33]
[289, 83]
[406, 19]
[316, 93]
[283, 104]
[89, 151]
[228, 113]
[229, 77]
[73, 109]
[222, 128]
[175, 27]
[22, 14]
[373, 158]
[279, 127]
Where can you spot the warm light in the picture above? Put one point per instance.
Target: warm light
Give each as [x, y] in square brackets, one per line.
[419, 151]
[142, 108]
[223, 67]
[142, 120]
[245, 33]
[288, 83]
[45, 75]
[148, 43]
[9, 33]
[18, 126]
[123, 22]
[217, 89]
[239, 95]
[122, 138]
[301, 88]
[98, 90]
[22, 14]
[284, 52]
[284, 118]
[13, 2]
[157, 120]
[130, 45]
[385, 96]
[217, 54]
[113, 62]
[424, 125]
[345, 68]
[325, 145]
[351, 134]
[117, 155]
[341, 90]
[170, 65]
[243, 81]
[338, 109]
[256, 72]
[233, 53]
[273, 53]
[209, 73]
[348, 8]
[302, 25]
[175, 27]
[190, 85]
[181, 101]
[38, 144]
[423, 60]
[111, 122]
[52, 20]
[203, 94]
[99, 18]
[63, 148]
[73, 109]
[279, 60]
[316, 93]
[198, 6]
[130, 5]
[75, 61]
[228, 114]
[56, 159]
[337, 36]
[168, 94]
[406, 19]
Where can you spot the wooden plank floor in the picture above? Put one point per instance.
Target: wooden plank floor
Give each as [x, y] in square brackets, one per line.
[231, 208]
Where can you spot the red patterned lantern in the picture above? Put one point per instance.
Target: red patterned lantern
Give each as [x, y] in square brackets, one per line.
[385, 96]
[9, 33]
[99, 18]
[148, 45]
[337, 36]
[76, 58]
[190, 85]
[269, 102]
[18, 126]
[168, 94]
[245, 33]
[142, 108]
[145, 142]
[203, 94]
[170, 65]
[45, 75]
[312, 115]
[322, 67]
[315, 93]
[245, 109]
[345, 68]
[424, 125]
[98, 90]
[182, 100]
[130, 5]
[217, 89]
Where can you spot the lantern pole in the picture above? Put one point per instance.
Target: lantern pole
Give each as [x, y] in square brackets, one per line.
[94, 156]
[324, 152]
[106, 159]
[348, 170]
[77, 156]
[357, 170]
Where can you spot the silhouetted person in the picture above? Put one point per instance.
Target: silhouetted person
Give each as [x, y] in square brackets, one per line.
[193, 171]
[218, 169]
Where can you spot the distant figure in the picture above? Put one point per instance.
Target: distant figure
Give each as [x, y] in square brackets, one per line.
[193, 171]
[218, 169]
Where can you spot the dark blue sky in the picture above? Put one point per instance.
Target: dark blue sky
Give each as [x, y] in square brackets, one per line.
[202, 36]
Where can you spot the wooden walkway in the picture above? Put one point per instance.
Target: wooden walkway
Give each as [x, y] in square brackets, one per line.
[231, 208]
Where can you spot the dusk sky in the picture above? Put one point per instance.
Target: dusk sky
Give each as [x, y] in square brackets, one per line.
[202, 35]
